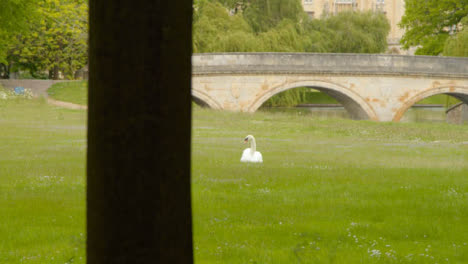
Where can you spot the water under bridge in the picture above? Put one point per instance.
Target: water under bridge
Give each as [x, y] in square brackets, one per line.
[369, 86]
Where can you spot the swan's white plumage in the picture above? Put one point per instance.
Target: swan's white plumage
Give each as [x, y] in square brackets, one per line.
[247, 156]
[250, 154]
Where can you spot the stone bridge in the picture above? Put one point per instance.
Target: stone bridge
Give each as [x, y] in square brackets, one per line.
[376, 87]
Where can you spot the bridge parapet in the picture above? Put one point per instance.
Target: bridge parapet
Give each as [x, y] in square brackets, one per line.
[329, 63]
[369, 86]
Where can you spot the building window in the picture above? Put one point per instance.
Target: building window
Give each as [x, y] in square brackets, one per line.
[311, 14]
[308, 2]
[380, 5]
[344, 5]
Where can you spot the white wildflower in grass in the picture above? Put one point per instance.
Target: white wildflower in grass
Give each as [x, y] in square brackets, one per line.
[264, 190]
[374, 253]
[391, 253]
[46, 181]
[454, 194]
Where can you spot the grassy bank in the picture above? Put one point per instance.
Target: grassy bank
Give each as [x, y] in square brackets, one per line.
[305, 95]
[74, 92]
[329, 191]
[77, 92]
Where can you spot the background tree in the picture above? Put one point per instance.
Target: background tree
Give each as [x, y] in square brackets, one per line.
[56, 41]
[14, 17]
[457, 45]
[216, 30]
[219, 28]
[429, 23]
[263, 15]
[356, 32]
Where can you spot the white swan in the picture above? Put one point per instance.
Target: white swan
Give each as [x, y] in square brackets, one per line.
[250, 154]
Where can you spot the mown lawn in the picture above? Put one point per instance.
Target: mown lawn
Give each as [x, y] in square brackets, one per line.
[74, 92]
[42, 183]
[329, 191]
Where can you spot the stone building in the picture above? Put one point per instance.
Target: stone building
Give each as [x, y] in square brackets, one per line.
[393, 9]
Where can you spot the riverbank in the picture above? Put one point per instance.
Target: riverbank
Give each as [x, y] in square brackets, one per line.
[431, 113]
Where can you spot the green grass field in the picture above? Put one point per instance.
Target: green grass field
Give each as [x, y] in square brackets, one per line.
[74, 92]
[329, 191]
[42, 184]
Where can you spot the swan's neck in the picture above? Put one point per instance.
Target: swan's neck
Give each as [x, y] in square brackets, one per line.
[253, 146]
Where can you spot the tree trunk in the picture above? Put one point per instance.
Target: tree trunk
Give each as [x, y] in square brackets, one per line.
[139, 118]
[4, 71]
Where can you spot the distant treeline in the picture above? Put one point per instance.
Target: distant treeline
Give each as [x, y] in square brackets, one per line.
[283, 26]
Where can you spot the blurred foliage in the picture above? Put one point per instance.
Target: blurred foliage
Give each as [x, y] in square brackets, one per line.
[457, 45]
[14, 18]
[428, 24]
[53, 40]
[282, 26]
[263, 15]
[51, 36]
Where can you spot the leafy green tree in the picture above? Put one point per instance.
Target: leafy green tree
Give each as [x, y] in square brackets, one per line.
[429, 23]
[290, 36]
[215, 30]
[14, 17]
[218, 29]
[357, 32]
[263, 15]
[457, 45]
[56, 41]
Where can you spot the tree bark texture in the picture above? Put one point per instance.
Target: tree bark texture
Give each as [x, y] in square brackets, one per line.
[139, 122]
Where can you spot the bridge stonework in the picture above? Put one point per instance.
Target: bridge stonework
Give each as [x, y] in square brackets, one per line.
[376, 87]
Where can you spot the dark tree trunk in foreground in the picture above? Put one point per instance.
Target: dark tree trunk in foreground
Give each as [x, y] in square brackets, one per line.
[138, 189]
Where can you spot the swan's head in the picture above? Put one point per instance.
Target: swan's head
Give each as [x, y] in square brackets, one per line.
[248, 138]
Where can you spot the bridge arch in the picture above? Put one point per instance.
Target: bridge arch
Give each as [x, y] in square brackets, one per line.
[459, 92]
[206, 99]
[354, 104]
